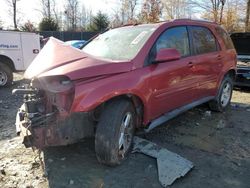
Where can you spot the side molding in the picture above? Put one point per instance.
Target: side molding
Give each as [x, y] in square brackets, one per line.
[170, 115]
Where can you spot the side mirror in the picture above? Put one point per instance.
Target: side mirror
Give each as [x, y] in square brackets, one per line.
[167, 54]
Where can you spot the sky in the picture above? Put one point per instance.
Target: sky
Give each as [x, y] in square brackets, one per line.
[29, 9]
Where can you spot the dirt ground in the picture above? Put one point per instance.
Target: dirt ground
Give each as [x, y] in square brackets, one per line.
[217, 143]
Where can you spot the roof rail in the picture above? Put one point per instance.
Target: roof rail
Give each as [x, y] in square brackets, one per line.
[199, 20]
[126, 25]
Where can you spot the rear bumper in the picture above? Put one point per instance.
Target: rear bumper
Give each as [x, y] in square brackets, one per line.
[52, 130]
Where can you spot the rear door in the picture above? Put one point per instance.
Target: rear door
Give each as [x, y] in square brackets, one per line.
[207, 64]
[172, 83]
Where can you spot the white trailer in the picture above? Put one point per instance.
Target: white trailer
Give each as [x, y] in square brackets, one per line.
[17, 51]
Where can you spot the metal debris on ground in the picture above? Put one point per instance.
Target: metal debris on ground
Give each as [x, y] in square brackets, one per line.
[170, 165]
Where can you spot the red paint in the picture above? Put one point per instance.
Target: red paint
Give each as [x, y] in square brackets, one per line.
[161, 87]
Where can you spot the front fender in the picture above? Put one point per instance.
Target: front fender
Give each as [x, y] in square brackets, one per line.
[90, 95]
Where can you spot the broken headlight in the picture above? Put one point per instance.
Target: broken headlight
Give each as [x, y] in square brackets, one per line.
[59, 91]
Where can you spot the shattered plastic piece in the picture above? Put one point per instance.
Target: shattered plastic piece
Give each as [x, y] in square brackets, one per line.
[170, 165]
[71, 182]
[208, 113]
[221, 124]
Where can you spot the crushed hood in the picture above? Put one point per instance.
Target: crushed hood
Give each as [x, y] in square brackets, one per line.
[57, 58]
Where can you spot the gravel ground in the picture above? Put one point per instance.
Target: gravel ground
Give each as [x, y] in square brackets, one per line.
[217, 143]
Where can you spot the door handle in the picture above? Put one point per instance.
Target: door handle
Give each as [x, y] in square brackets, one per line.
[219, 57]
[35, 51]
[190, 64]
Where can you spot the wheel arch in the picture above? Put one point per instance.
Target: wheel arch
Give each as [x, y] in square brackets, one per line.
[136, 101]
[231, 73]
[8, 62]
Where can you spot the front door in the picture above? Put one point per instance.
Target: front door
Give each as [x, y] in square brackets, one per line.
[172, 83]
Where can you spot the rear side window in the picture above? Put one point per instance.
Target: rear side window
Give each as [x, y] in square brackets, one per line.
[203, 40]
[176, 37]
[225, 37]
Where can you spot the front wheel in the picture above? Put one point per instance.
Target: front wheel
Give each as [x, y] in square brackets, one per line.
[223, 98]
[115, 131]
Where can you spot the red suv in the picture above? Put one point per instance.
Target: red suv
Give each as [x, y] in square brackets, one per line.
[126, 78]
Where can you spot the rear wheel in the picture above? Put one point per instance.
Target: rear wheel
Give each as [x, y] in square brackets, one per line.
[6, 76]
[223, 98]
[115, 131]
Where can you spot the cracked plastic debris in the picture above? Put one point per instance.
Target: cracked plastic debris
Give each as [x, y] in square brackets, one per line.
[170, 165]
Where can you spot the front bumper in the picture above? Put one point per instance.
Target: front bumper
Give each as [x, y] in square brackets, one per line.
[42, 131]
[243, 76]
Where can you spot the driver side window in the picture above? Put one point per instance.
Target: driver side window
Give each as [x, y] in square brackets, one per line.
[176, 37]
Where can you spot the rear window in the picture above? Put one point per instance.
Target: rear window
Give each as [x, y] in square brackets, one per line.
[203, 40]
[225, 37]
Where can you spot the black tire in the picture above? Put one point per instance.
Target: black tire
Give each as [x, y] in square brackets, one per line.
[217, 104]
[108, 132]
[7, 78]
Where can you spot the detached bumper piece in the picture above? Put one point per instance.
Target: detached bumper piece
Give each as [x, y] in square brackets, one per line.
[41, 131]
[170, 165]
[243, 76]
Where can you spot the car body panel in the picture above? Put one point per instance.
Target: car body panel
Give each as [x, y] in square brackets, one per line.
[161, 87]
[56, 58]
[173, 90]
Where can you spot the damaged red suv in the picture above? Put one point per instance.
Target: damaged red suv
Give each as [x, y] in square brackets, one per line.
[126, 78]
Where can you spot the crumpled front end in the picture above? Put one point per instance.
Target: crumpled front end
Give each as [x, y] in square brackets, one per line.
[45, 119]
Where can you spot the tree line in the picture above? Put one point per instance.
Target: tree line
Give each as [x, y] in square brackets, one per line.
[233, 15]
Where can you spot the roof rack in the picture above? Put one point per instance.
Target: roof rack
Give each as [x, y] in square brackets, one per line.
[199, 20]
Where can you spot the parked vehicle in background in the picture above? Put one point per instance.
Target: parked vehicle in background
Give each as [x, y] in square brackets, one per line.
[126, 78]
[76, 43]
[17, 51]
[242, 45]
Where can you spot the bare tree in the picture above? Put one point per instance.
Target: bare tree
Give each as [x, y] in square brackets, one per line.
[230, 13]
[126, 14]
[72, 13]
[222, 8]
[214, 7]
[49, 9]
[175, 9]
[127, 11]
[1, 25]
[12, 4]
[46, 7]
[247, 16]
[116, 19]
[233, 15]
[131, 7]
[85, 18]
[151, 11]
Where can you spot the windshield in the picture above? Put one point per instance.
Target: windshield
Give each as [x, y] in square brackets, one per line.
[119, 44]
